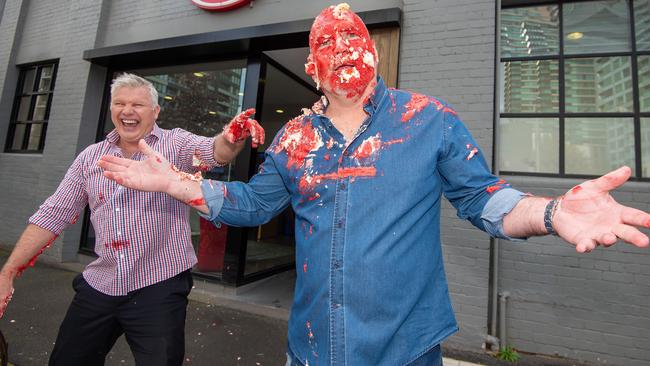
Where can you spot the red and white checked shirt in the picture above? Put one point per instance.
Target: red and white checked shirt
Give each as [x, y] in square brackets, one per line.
[142, 238]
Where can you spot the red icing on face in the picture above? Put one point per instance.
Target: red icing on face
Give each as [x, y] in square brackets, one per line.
[343, 53]
[119, 244]
[576, 189]
[417, 103]
[298, 141]
[309, 182]
[158, 159]
[32, 261]
[196, 202]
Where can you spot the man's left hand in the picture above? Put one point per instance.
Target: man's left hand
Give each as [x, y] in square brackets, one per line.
[588, 216]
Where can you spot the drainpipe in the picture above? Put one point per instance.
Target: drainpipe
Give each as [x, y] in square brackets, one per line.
[491, 341]
[503, 299]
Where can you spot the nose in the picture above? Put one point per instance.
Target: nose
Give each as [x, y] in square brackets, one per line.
[127, 109]
[341, 43]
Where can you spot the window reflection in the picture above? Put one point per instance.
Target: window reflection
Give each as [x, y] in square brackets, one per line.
[642, 24]
[596, 27]
[273, 244]
[530, 31]
[645, 146]
[643, 64]
[595, 146]
[529, 86]
[529, 144]
[601, 84]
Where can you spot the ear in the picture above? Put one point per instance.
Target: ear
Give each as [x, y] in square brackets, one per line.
[310, 66]
[156, 111]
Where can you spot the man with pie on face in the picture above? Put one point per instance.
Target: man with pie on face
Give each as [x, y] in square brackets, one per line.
[364, 170]
[138, 285]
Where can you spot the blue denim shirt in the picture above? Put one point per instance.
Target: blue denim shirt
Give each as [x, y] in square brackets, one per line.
[370, 286]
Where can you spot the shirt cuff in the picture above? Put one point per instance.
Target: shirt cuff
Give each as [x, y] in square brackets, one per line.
[213, 196]
[496, 208]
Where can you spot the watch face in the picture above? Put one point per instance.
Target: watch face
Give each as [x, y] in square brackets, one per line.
[220, 5]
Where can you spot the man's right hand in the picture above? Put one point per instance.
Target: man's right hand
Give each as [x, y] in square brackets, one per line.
[153, 174]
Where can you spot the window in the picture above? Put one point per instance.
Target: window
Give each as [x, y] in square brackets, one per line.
[574, 82]
[31, 108]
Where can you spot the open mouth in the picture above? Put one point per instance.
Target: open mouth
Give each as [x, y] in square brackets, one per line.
[343, 66]
[130, 122]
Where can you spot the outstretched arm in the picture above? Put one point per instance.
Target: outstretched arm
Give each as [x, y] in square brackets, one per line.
[586, 216]
[231, 141]
[32, 242]
[155, 174]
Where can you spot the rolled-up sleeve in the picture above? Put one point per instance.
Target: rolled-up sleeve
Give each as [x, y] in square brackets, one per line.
[496, 208]
[64, 206]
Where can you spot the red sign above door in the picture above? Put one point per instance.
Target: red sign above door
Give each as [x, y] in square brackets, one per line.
[220, 5]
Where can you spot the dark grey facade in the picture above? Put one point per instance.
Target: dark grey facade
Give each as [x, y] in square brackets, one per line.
[588, 307]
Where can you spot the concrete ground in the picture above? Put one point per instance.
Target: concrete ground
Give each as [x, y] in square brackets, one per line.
[225, 326]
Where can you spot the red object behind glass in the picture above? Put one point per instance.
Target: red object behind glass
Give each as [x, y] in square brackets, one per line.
[212, 246]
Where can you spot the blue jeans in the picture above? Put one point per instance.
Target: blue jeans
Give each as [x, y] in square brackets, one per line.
[433, 357]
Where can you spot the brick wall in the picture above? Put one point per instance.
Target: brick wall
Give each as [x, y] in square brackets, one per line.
[447, 50]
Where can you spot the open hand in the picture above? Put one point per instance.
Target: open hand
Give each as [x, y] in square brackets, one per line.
[588, 216]
[152, 174]
[242, 126]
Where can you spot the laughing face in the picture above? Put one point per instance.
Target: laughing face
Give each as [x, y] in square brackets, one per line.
[343, 57]
[133, 113]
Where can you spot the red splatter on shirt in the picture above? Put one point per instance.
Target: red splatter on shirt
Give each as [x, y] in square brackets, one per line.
[368, 147]
[298, 140]
[499, 185]
[472, 151]
[304, 267]
[417, 103]
[308, 182]
[119, 244]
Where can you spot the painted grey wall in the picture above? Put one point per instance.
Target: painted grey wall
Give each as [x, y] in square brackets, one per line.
[447, 50]
[130, 21]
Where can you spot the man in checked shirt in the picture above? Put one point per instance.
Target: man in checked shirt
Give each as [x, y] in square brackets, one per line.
[138, 285]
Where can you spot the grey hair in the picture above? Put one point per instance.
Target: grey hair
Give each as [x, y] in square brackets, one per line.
[134, 81]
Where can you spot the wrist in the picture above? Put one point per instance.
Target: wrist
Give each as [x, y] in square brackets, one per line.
[549, 213]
